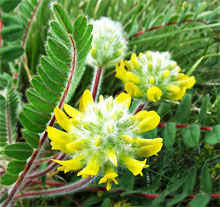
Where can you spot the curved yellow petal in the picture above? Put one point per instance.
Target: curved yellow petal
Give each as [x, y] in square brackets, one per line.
[148, 120]
[186, 81]
[179, 95]
[85, 100]
[76, 145]
[59, 136]
[128, 65]
[132, 77]
[92, 168]
[150, 149]
[112, 157]
[151, 80]
[135, 166]
[173, 89]
[71, 111]
[154, 94]
[124, 98]
[166, 74]
[58, 146]
[135, 62]
[121, 72]
[127, 139]
[142, 142]
[74, 164]
[109, 177]
[133, 90]
[62, 119]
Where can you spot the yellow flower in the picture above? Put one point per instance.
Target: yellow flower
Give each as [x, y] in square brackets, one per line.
[135, 166]
[103, 136]
[153, 76]
[154, 93]
[109, 177]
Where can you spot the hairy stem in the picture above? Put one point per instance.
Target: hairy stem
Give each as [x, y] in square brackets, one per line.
[139, 108]
[97, 82]
[48, 169]
[43, 138]
[57, 191]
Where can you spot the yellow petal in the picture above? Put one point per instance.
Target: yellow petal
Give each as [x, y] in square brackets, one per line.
[135, 62]
[76, 145]
[148, 120]
[71, 111]
[166, 74]
[151, 149]
[124, 98]
[132, 77]
[112, 157]
[92, 168]
[186, 81]
[151, 80]
[128, 65]
[154, 93]
[173, 89]
[58, 146]
[127, 139]
[59, 136]
[179, 95]
[101, 99]
[121, 72]
[63, 120]
[75, 164]
[109, 177]
[85, 100]
[132, 89]
[142, 142]
[135, 166]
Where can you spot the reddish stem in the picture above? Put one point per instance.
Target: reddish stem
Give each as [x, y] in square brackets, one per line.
[185, 126]
[153, 196]
[48, 169]
[139, 108]
[173, 23]
[96, 82]
[60, 190]
[50, 183]
[29, 23]
[44, 136]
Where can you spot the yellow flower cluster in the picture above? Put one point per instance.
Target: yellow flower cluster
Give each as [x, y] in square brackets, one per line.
[153, 75]
[100, 136]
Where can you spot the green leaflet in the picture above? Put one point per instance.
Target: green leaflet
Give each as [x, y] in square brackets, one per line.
[9, 101]
[59, 74]
[16, 29]
[169, 134]
[205, 180]
[19, 151]
[191, 135]
[16, 166]
[31, 138]
[8, 179]
[200, 200]
[183, 109]
[204, 108]
[12, 33]
[213, 136]
[189, 181]
[10, 53]
[8, 5]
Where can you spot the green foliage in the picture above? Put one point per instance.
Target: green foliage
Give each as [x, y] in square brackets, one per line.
[9, 101]
[188, 162]
[191, 135]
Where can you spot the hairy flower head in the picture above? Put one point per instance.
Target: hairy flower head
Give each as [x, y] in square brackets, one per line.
[103, 136]
[108, 45]
[153, 75]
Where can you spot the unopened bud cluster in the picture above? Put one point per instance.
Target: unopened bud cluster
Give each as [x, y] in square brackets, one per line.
[152, 76]
[108, 45]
